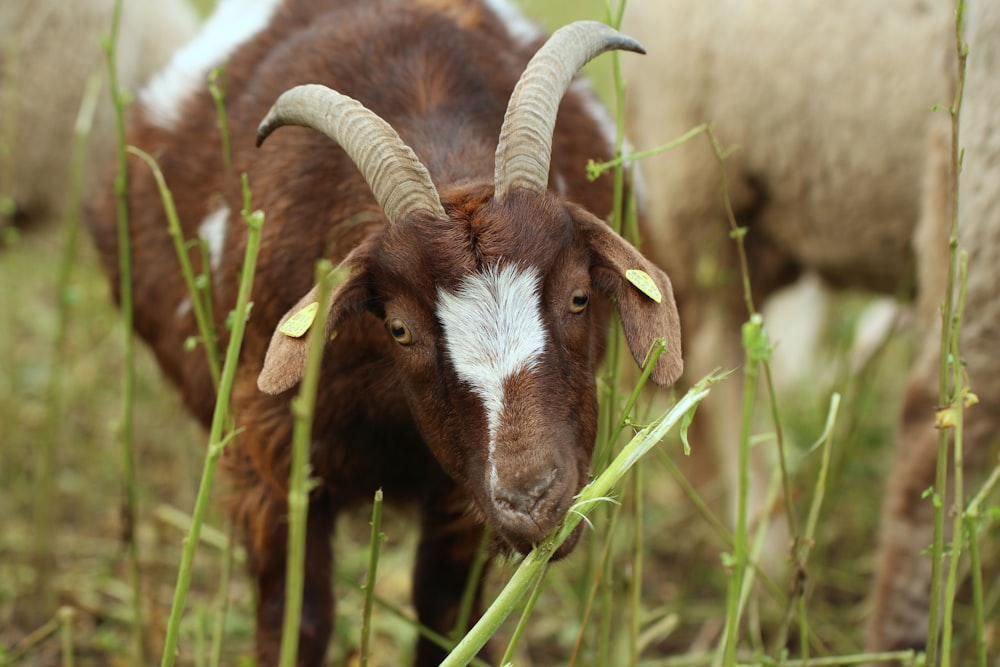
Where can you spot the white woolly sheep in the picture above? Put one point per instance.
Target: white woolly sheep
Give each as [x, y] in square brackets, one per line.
[901, 601]
[830, 105]
[48, 49]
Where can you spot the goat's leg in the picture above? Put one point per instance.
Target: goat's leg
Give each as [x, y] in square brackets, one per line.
[449, 541]
[268, 565]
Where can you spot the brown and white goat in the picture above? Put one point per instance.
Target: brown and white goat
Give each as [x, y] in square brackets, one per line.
[469, 329]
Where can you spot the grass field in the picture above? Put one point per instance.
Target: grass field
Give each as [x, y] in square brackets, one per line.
[661, 586]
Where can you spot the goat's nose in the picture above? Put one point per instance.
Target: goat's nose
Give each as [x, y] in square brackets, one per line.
[522, 494]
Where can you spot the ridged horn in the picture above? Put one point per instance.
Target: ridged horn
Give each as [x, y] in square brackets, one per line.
[524, 151]
[397, 178]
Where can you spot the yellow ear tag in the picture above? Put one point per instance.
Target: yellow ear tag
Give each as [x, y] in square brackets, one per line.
[298, 324]
[644, 284]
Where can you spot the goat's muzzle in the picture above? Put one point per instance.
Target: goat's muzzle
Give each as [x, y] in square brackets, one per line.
[527, 507]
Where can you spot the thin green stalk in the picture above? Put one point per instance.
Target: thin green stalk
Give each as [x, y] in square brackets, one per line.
[779, 438]
[595, 493]
[374, 548]
[522, 623]
[618, 193]
[222, 601]
[809, 539]
[600, 585]
[8, 206]
[756, 346]
[200, 632]
[218, 93]
[202, 312]
[945, 394]
[962, 392]
[969, 525]
[738, 233]
[216, 441]
[596, 169]
[613, 355]
[607, 588]
[638, 553]
[656, 349]
[804, 544]
[31, 640]
[720, 528]
[66, 616]
[472, 584]
[887, 657]
[125, 425]
[422, 630]
[45, 491]
[299, 485]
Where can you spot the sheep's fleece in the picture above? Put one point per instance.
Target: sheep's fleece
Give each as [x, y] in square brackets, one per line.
[48, 49]
[841, 170]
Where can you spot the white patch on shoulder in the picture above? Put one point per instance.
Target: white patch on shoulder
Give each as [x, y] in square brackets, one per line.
[492, 330]
[213, 230]
[183, 308]
[518, 25]
[233, 23]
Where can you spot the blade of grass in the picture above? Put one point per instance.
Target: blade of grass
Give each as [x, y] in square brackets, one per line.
[125, 426]
[202, 310]
[946, 395]
[45, 491]
[374, 548]
[508, 655]
[300, 483]
[66, 616]
[962, 391]
[217, 440]
[472, 585]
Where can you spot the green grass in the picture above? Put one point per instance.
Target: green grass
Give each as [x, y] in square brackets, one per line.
[651, 572]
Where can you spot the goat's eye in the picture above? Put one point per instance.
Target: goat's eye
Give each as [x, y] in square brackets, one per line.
[578, 301]
[400, 332]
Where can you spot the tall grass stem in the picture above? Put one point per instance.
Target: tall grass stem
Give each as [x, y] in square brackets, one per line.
[125, 425]
[300, 484]
[374, 548]
[217, 440]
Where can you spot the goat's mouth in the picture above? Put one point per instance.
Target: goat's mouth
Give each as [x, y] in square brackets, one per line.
[524, 520]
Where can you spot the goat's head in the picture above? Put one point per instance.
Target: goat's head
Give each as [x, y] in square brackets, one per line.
[497, 296]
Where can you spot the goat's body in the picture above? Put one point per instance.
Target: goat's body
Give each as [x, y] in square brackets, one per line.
[440, 73]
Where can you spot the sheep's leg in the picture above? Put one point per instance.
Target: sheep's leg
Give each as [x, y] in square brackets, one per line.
[449, 542]
[268, 565]
[903, 572]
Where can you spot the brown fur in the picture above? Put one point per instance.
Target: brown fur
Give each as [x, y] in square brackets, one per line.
[388, 415]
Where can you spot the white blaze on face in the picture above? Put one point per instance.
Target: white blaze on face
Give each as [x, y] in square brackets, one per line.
[492, 330]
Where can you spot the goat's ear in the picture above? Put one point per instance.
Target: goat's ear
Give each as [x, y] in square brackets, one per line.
[647, 311]
[285, 361]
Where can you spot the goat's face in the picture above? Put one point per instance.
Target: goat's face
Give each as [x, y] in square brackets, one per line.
[496, 296]
[498, 315]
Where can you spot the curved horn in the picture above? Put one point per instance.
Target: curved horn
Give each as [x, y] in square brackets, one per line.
[525, 147]
[397, 178]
